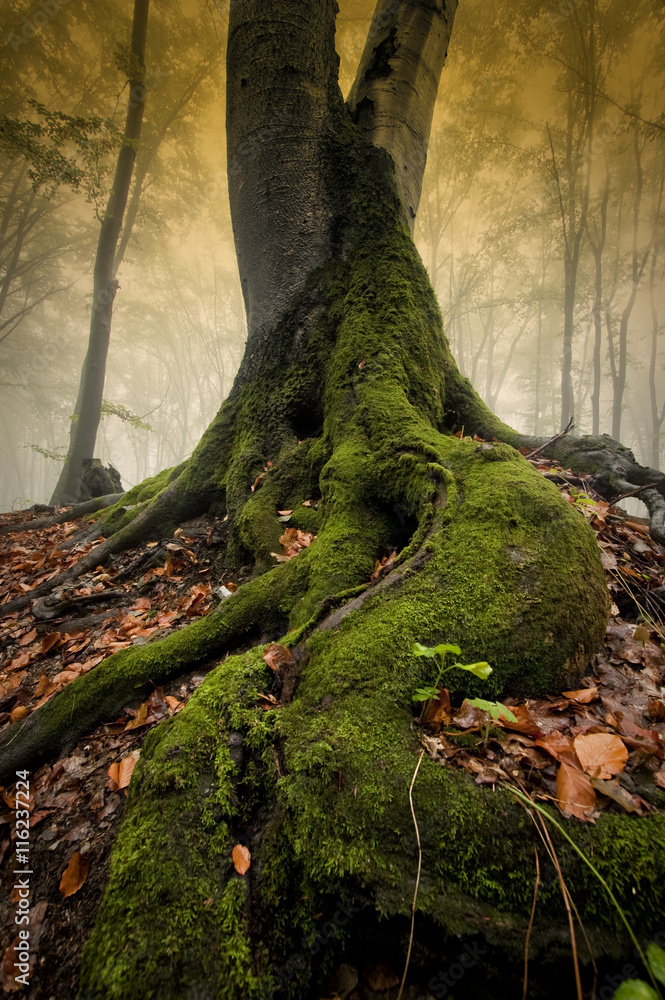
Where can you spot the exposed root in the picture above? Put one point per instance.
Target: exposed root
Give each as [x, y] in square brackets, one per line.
[100, 695]
[70, 514]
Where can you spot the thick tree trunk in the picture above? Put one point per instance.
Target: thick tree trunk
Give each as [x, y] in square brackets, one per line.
[347, 397]
[87, 413]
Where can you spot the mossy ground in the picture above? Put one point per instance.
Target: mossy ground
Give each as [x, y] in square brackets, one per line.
[350, 405]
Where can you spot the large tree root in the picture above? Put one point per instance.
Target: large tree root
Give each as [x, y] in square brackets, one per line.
[490, 558]
[70, 514]
[100, 695]
[337, 844]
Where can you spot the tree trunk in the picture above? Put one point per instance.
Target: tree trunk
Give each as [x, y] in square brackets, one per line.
[87, 412]
[347, 399]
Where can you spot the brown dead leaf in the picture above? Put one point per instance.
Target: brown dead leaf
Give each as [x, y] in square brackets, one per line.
[49, 641]
[437, 710]
[28, 638]
[241, 859]
[561, 747]
[74, 874]
[613, 790]
[601, 754]
[582, 696]
[20, 712]
[277, 656]
[575, 794]
[469, 717]
[525, 722]
[140, 719]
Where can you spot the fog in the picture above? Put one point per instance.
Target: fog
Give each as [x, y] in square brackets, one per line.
[541, 225]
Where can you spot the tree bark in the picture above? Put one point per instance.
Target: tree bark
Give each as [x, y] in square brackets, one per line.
[343, 411]
[87, 413]
[393, 96]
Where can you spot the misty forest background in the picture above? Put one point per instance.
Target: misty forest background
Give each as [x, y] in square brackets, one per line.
[541, 218]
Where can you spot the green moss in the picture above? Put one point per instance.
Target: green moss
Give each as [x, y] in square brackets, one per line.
[175, 920]
[490, 557]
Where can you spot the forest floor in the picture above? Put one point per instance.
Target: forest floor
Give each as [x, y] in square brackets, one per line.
[600, 747]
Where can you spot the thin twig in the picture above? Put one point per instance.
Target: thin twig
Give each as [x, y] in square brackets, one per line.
[420, 859]
[557, 437]
[530, 927]
[640, 489]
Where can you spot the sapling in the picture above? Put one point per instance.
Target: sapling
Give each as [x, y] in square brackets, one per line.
[481, 669]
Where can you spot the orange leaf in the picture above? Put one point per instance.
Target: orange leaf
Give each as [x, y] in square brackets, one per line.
[241, 859]
[114, 776]
[583, 695]
[277, 656]
[27, 639]
[127, 765]
[284, 513]
[20, 712]
[560, 747]
[574, 792]
[601, 754]
[49, 641]
[74, 874]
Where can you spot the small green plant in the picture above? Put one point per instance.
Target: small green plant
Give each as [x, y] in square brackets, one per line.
[481, 670]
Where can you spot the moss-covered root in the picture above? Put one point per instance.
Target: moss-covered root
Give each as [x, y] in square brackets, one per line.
[174, 919]
[177, 921]
[259, 607]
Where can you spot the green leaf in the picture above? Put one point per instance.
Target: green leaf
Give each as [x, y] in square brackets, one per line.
[656, 957]
[420, 650]
[444, 648]
[424, 694]
[495, 708]
[482, 669]
[635, 989]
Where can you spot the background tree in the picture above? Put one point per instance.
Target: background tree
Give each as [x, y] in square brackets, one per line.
[344, 410]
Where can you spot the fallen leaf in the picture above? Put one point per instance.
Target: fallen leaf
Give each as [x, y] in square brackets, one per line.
[28, 638]
[49, 641]
[277, 656]
[74, 874]
[284, 513]
[20, 712]
[613, 790]
[140, 719]
[601, 754]
[583, 695]
[560, 747]
[525, 722]
[241, 859]
[574, 792]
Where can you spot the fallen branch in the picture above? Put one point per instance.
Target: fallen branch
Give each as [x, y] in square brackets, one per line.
[557, 437]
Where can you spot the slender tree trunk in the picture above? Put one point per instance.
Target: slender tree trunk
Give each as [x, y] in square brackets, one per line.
[87, 413]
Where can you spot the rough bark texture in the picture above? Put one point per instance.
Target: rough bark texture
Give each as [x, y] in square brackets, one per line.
[88, 409]
[349, 390]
